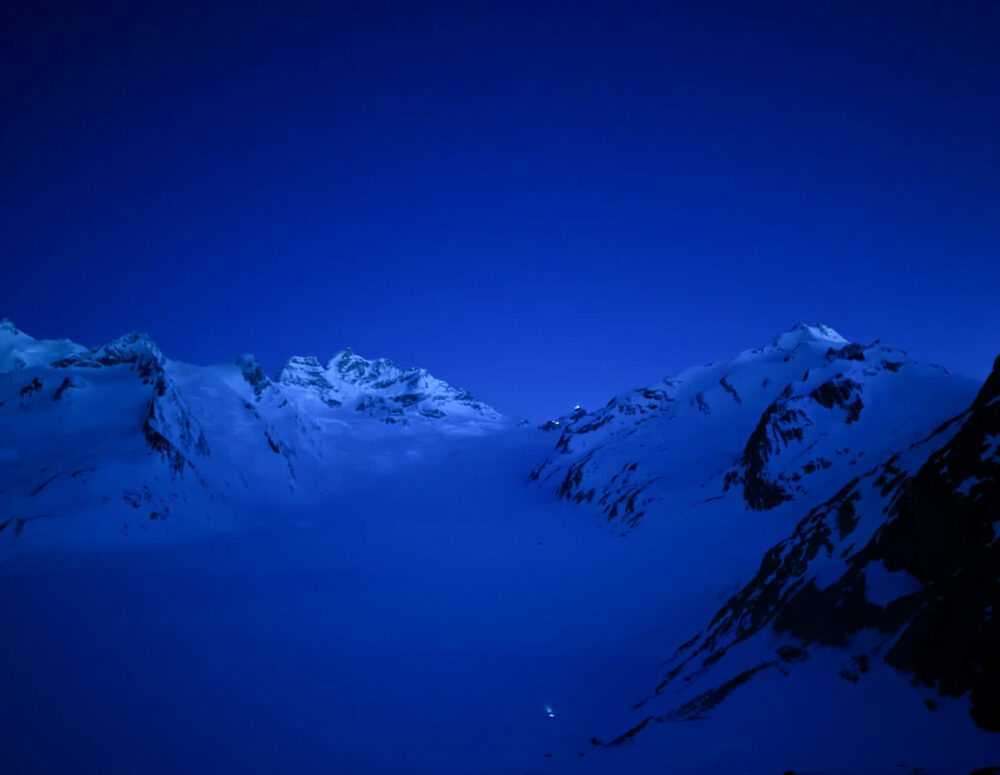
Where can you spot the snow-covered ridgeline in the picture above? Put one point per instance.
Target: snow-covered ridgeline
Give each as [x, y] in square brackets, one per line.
[118, 439]
[775, 424]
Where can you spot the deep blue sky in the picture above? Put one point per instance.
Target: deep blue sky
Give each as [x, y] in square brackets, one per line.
[545, 203]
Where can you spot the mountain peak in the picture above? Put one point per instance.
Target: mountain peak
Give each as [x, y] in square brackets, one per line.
[379, 388]
[304, 371]
[6, 324]
[128, 349]
[357, 370]
[807, 332]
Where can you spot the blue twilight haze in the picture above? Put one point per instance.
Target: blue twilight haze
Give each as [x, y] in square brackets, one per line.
[543, 203]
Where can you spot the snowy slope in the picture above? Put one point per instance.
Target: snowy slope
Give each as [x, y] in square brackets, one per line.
[897, 574]
[896, 544]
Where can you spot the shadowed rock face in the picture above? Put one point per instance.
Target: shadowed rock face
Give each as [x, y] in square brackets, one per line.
[945, 533]
[932, 518]
[778, 425]
[254, 375]
[942, 530]
[843, 393]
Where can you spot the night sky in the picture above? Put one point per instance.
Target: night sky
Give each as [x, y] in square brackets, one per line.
[545, 203]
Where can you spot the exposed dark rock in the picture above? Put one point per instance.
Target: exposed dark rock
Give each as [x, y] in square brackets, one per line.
[816, 465]
[849, 675]
[938, 526]
[574, 477]
[626, 736]
[847, 516]
[948, 540]
[843, 393]
[157, 442]
[32, 387]
[849, 352]
[254, 375]
[593, 425]
[731, 390]
[65, 385]
[705, 701]
[792, 654]
[44, 484]
[137, 351]
[760, 492]
[755, 606]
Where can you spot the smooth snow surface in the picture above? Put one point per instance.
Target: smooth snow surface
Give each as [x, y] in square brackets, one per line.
[422, 623]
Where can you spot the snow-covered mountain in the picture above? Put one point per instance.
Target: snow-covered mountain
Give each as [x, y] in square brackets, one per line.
[774, 425]
[883, 470]
[809, 527]
[382, 390]
[117, 439]
[899, 569]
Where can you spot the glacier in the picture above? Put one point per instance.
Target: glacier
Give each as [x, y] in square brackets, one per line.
[354, 567]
